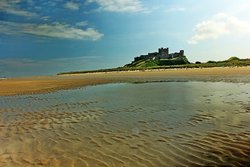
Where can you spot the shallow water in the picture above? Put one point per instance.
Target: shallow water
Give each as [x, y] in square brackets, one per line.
[151, 124]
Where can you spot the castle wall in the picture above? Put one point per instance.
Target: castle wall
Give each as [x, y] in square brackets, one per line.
[163, 53]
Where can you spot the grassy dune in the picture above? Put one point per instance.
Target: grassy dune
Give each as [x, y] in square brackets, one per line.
[171, 64]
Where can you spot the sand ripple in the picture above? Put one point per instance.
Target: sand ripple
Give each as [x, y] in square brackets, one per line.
[89, 133]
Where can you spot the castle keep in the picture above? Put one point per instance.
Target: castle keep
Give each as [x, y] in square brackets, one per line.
[163, 53]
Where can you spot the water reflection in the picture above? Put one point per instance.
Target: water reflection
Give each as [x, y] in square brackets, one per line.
[153, 124]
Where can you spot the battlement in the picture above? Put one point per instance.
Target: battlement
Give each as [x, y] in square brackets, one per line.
[163, 53]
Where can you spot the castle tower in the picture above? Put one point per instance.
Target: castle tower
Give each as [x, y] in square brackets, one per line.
[160, 50]
[163, 52]
[181, 52]
[167, 50]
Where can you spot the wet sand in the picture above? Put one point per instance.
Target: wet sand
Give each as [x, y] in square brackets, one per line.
[32, 85]
[187, 124]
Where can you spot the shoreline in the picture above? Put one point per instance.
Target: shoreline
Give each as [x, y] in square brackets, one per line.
[45, 84]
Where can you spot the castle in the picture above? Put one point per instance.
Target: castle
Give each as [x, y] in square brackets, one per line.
[163, 53]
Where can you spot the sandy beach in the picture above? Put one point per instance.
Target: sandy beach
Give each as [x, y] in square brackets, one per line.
[178, 117]
[129, 125]
[30, 85]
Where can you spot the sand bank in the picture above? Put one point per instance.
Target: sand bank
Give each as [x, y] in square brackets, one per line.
[15, 86]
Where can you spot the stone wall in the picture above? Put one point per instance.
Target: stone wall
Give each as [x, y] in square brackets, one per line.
[163, 53]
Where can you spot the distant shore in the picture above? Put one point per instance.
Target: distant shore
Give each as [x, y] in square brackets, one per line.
[30, 85]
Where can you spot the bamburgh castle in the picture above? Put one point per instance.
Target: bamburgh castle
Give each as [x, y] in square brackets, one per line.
[163, 53]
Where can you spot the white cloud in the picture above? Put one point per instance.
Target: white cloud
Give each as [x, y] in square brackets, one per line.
[72, 5]
[45, 18]
[119, 5]
[82, 23]
[10, 7]
[177, 9]
[219, 25]
[54, 30]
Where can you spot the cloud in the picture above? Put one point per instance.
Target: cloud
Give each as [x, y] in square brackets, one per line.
[53, 30]
[82, 23]
[219, 25]
[119, 5]
[72, 5]
[45, 18]
[177, 9]
[10, 7]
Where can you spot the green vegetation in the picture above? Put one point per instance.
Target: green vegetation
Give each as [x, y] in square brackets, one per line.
[150, 63]
[233, 59]
[169, 64]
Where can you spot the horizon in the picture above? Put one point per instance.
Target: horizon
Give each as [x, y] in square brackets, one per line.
[47, 37]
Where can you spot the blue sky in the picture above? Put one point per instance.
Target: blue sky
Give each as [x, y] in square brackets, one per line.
[43, 37]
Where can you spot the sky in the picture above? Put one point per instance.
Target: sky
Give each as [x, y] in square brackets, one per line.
[44, 37]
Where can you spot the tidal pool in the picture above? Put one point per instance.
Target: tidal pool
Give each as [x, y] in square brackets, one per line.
[151, 124]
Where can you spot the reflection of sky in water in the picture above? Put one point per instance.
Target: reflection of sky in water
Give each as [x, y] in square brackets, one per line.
[171, 103]
[142, 124]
